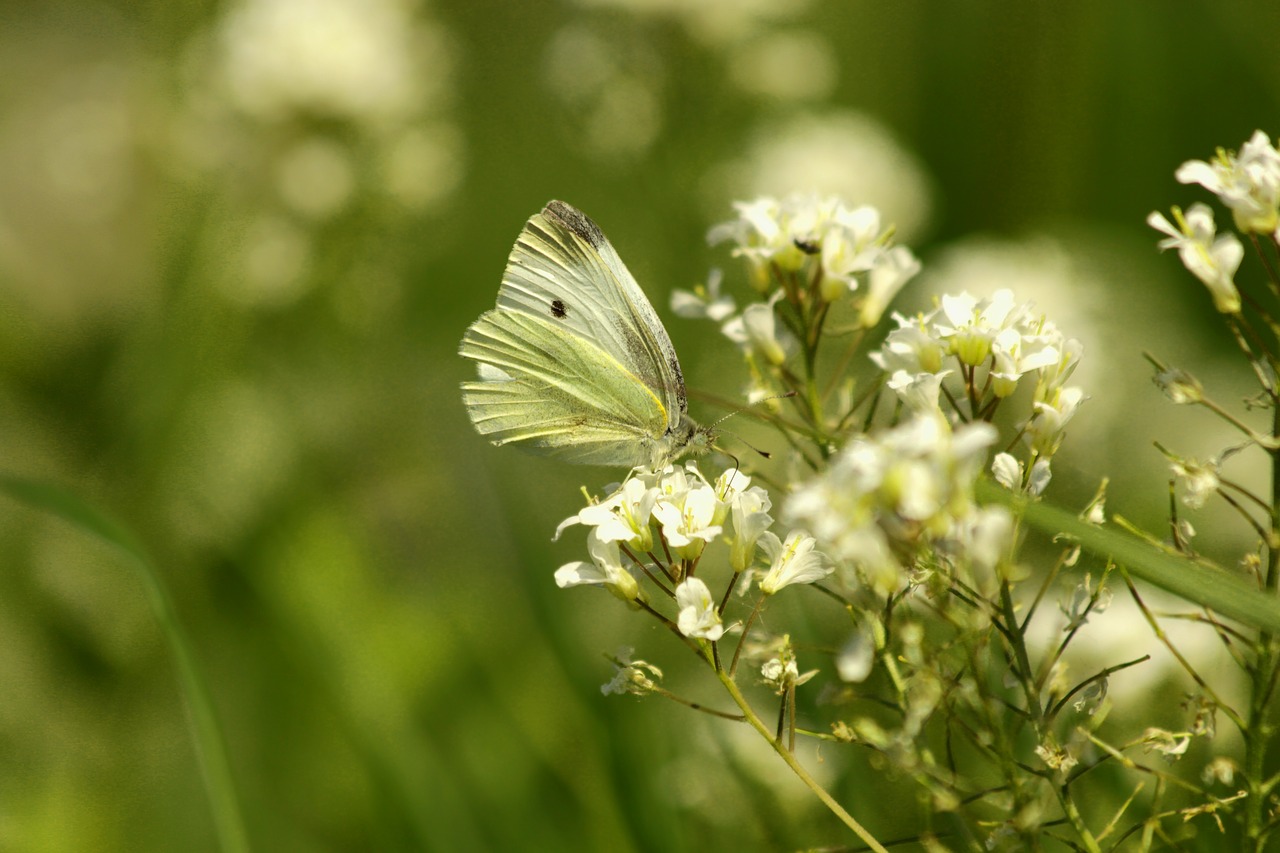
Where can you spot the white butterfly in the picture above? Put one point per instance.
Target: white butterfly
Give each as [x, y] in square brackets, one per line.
[573, 361]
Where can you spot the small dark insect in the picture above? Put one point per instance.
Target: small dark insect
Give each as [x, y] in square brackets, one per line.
[558, 310]
[809, 247]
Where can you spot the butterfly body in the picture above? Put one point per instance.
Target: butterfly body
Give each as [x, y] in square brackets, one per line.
[574, 362]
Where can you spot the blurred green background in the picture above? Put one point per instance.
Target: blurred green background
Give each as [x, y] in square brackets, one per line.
[239, 243]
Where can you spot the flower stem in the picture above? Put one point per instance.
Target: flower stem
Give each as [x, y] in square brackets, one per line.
[1262, 679]
[796, 767]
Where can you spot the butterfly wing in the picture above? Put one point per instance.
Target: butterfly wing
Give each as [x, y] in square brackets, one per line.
[563, 268]
[574, 360]
[557, 394]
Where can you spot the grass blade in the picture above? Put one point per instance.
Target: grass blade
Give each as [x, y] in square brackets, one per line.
[1217, 590]
[210, 745]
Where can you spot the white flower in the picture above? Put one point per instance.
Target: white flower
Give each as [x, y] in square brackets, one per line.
[704, 301]
[895, 268]
[634, 677]
[841, 153]
[910, 487]
[852, 245]
[823, 242]
[1016, 353]
[779, 674]
[1200, 479]
[1048, 425]
[757, 331]
[856, 656]
[781, 671]
[749, 510]
[982, 538]
[361, 61]
[698, 616]
[793, 561]
[690, 519]
[1248, 183]
[1056, 758]
[1179, 386]
[1008, 472]
[1213, 261]
[605, 569]
[919, 392]
[970, 325]
[911, 347]
[1085, 601]
[1167, 743]
[623, 516]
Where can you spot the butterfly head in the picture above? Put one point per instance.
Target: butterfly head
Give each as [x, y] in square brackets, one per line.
[687, 438]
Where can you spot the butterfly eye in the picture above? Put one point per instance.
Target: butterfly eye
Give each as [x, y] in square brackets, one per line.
[558, 309]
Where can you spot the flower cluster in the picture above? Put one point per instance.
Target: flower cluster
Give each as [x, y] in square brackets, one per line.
[887, 500]
[987, 348]
[1248, 184]
[679, 512]
[806, 254]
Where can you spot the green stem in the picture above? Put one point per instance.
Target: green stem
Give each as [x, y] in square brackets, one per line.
[796, 767]
[1262, 678]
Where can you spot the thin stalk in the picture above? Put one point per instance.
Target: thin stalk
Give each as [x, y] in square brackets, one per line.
[1262, 677]
[796, 767]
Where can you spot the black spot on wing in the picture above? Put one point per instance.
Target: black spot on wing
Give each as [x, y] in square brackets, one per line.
[558, 309]
[569, 217]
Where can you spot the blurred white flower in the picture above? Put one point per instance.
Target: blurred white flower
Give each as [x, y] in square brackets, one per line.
[1008, 472]
[856, 656]
[788, 66]
[716, 23]
[911, 348]
[906, 489]
[705, 301]
[610, 89]
[844, 154]
[1169, 744]
[422, 165]
[274, 264]
[1179, 386]
[316, 178]
[897, 267]
[359, 60]
[634, 677]
[1199, 479]
[758, 332]
[1047, 427]
[1248, 183]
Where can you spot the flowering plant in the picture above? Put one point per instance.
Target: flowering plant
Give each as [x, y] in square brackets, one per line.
[900, 521]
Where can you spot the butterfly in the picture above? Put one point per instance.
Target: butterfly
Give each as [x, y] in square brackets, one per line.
[574, 362]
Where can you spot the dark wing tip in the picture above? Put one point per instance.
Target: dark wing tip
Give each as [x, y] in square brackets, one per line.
[569, 217]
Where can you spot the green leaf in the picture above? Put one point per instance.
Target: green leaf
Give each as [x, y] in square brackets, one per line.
[1201, 585]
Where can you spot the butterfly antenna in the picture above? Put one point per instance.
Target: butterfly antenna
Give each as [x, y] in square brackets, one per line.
[764, 453]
